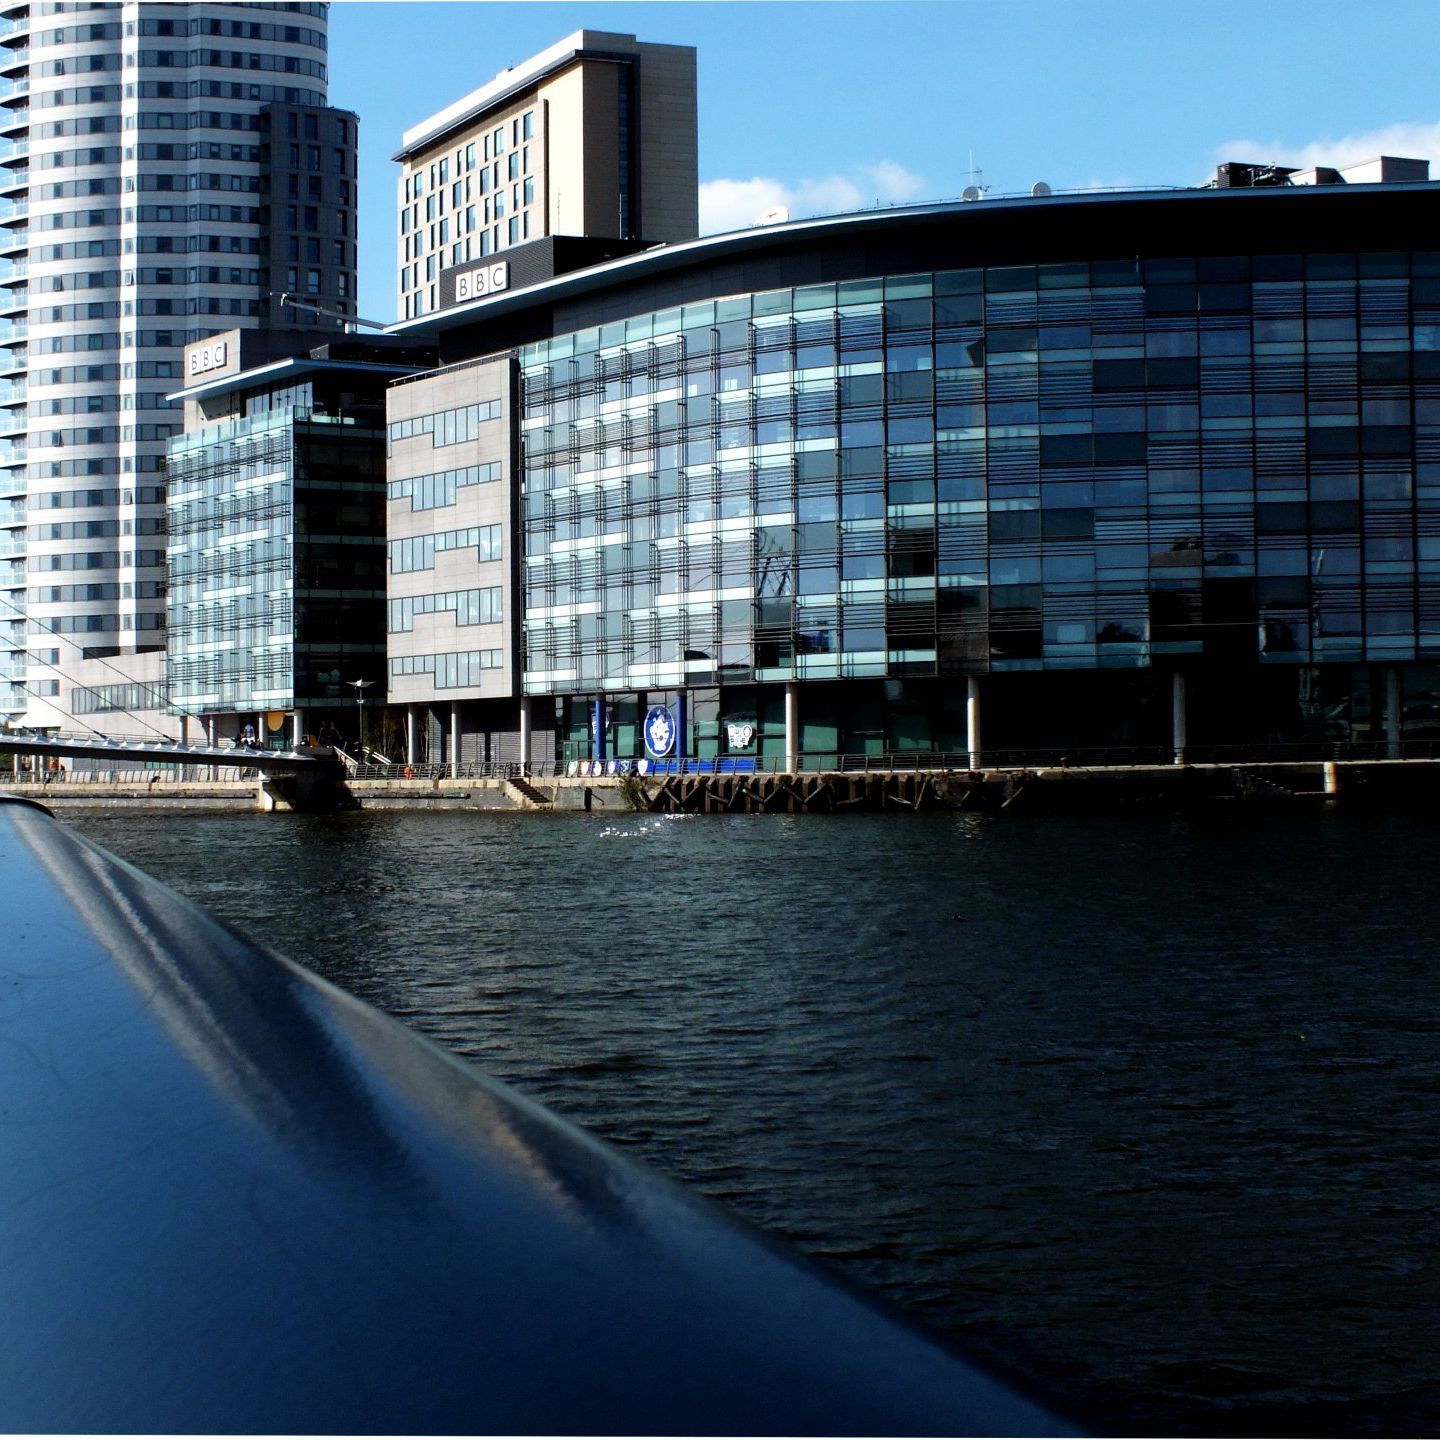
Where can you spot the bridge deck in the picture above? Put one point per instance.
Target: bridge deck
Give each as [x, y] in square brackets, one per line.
[70, 746]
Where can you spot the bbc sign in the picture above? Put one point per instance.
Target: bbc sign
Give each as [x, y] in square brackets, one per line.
[204, 358]
[485, 280]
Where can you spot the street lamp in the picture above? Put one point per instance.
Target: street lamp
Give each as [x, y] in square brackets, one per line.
[360, 688]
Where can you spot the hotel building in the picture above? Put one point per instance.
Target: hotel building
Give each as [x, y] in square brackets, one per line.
[594, 137]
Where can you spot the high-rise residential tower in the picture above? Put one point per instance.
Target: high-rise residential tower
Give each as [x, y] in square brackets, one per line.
[166, 170]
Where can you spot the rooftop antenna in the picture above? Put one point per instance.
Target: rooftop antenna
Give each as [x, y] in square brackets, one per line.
[974, 190]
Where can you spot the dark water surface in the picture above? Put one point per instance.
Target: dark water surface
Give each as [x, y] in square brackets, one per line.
[1149, 1100]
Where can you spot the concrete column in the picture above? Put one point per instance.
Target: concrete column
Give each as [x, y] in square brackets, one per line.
[792, 726]
[184, 729]
[972, 719]
[410, 728]
[525, 732]
[1177, 715]
[682, 727]
[454, 739]
[1393, 730]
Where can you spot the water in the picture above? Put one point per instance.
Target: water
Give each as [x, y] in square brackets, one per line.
[1148, 1101]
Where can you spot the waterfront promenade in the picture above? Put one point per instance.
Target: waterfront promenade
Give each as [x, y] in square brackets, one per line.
[1004, 789]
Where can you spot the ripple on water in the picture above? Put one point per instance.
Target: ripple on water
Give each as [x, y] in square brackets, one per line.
[1149, 1099]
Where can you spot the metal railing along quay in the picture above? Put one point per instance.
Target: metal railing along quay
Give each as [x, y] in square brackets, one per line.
[240, 1200]
[901, 762]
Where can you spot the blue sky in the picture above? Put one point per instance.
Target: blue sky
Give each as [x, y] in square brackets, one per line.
[831, 104]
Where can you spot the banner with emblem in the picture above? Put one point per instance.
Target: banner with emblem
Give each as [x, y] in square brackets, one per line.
[659, 731]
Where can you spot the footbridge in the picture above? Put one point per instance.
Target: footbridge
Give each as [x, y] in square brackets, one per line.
[50, 744]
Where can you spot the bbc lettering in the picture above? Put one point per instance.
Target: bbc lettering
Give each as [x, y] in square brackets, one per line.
[207, 357]
[486, 280]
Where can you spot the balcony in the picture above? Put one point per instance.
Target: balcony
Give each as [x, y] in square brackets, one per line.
[16, 241]
[18, 26]
[13, 180]
[14, 302]
[13, 120]
[13, 211]
[12, 57]
[15, 272]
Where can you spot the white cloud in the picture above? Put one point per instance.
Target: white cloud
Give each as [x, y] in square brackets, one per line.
[734, 204]
[1417, 139]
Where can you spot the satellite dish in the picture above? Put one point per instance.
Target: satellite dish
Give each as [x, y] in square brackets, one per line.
[775, 215]
[1040, 188]
[970, 192]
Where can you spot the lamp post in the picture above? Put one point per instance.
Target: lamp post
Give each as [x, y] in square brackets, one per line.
[360, 688]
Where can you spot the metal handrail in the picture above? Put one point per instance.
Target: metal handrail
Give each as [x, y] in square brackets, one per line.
[813, 763]
[902, 762]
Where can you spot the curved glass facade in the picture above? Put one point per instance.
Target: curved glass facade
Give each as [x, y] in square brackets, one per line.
[1226, 465]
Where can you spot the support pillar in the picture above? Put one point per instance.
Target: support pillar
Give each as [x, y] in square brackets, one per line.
[1177, 715]
[454, 739]
[972, 719]
[525, 734]
[184, 729]
[682, 727]
[1393, 730]
[792, 727]
[297, 735]
[410, 728]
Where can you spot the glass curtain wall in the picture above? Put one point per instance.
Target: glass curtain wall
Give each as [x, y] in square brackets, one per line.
[1228, 465]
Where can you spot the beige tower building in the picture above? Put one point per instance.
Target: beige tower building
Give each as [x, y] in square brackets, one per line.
[594, 137]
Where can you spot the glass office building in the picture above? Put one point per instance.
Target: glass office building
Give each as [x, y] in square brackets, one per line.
[276, 560]
[1047, 456]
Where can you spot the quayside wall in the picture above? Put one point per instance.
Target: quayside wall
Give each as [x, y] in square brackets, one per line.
[1008, 790]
